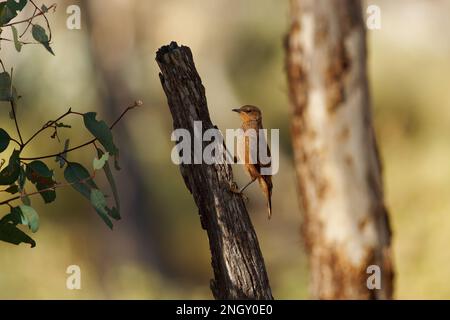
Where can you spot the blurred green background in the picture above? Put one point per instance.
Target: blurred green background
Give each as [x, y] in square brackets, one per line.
[158, 250]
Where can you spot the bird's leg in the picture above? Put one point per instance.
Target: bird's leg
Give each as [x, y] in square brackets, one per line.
[234, 189]
[247, 185]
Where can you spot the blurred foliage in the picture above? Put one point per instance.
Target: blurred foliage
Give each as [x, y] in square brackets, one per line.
[19, 170]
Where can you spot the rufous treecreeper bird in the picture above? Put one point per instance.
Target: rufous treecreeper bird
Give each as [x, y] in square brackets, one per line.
[251, 118]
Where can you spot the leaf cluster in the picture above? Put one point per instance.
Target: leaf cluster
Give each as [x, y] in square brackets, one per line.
[9, 13]
[18, 175]
[22, 178]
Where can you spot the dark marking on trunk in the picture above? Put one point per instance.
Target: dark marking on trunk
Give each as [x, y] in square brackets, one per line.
[335, 77]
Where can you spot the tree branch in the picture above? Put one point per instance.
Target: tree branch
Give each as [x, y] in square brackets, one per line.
[239, 270]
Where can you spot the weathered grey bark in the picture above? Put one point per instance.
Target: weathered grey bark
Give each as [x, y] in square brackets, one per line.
[346, 226]
[239, 270]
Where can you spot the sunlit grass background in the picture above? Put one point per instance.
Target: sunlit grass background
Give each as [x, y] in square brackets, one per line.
[158, 250]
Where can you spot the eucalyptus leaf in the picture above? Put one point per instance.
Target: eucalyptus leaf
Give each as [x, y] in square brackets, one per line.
[99, 163]
[11, 234]
[22, 178]
[17, 42]
[5, 86]
[11, 172]
[30, 218]
[98, 201]
[101, 131]
[115, 211]
[14, 217]
[79, 178]
[4, 140]
[13, 189]
[47, 193]
[16, 5]
[40, 175]
[40, 35]
[6, 14]
[37, 170]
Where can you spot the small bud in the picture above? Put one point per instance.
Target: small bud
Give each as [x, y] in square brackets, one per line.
[138, 103]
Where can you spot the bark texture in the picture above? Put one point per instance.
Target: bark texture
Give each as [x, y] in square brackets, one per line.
[238, 265]
[346, 226]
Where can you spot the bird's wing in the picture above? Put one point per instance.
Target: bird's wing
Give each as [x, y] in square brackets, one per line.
[262, 139]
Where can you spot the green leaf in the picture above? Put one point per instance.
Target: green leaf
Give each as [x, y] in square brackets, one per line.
[101, 131]
[16, 6]
[6, 14]
[11, 234]
[98, 201]
[21, 182]
[37, 170]
[17, 42]
[30, 218]
[115, 211]
[14, 217]
[79, 178]
[40, 35]
[5, 86]
[4, 140]
[19, 215]
[8, 10]
[116, 162]
[22, 178]
[26, 200]
[48, 195]
[11, 172]
[12, 189]
[40, 175]
[99, 163]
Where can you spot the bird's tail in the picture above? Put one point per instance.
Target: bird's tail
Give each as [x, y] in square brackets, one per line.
[266, 185]
[269, 206]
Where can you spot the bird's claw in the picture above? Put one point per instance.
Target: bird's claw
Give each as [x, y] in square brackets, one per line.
[234, 189]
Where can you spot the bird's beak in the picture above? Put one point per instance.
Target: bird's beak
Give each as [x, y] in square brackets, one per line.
[236, 110]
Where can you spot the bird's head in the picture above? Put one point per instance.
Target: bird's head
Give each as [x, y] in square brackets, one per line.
[249, 113]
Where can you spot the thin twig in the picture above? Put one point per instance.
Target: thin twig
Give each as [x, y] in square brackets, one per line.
[30, 18]
[13, 110]
[29, 23]
[22, 42]
[48, 125]
[136, 104]
[14, 140]
[56, 186]
[3, 66]
[46, 20]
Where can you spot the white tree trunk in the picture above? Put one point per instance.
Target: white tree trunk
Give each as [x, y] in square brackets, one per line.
[345, 227]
